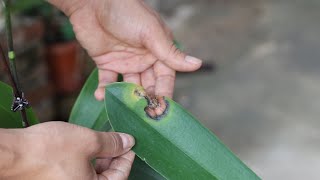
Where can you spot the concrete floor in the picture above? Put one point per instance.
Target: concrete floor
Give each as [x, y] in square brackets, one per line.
[263, 99]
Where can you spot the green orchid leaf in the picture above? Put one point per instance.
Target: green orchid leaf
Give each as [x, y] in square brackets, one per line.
[175, 144]
[8, 118]
[87, 111]
[141, 171]
[90, 113]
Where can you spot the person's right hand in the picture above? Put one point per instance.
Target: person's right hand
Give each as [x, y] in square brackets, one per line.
[127, 37]
[63, 151]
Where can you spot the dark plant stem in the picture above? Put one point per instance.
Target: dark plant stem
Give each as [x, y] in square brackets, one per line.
[11, 53]
[24, 118]
[10, 62]
[6, 63]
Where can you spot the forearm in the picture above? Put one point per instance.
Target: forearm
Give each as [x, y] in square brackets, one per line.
[9, 149]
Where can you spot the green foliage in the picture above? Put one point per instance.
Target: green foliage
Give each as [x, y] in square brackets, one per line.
[178, 45]
[9, 119]
[87, 111]
[176, 145]
[20, 6]
[141, 171]
[67, 31]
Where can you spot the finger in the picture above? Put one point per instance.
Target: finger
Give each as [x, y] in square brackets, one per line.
[102, 164]
[148, 80]
[126, 62]
[132, 78]
[162, 46]
[112, 144]
[105, 77]
[165, 78]
[168, 32]
[119, 168]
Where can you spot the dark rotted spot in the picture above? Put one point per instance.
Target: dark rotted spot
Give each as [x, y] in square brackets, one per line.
[150, 112]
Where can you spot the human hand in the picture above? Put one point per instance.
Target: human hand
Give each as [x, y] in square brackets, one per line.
[58, 150]
[129, 38]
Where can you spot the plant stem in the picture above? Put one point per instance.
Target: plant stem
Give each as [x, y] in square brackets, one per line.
[10, 63]
[24, 118]
[6, 63]
[11, 54]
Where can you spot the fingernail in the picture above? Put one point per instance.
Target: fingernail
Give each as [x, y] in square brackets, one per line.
[127, 140]
[99, 94]
[193, 60]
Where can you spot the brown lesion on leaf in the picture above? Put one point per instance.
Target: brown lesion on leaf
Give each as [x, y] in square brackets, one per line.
[157, 106]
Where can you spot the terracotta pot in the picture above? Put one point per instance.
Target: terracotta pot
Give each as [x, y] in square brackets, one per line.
[64, 66]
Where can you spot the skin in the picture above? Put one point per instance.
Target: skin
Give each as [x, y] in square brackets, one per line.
[128, 37]
[58, 150]
[125, 37]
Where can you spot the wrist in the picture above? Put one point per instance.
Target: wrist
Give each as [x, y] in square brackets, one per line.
[9, 152]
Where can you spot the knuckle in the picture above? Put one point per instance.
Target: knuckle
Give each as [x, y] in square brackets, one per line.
[174, 50]
[166, 76]
[125, 165]
[94, 142]
[115, 143]
[170, 53]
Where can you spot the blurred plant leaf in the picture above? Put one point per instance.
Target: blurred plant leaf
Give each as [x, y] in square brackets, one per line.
[141, 171]
[19, 6]
[178, 45]
[177, 145]
[10, 119]
[90, 113]
[87, 111]
[67, 31]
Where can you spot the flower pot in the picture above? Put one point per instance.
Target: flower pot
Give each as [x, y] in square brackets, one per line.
[64, 66]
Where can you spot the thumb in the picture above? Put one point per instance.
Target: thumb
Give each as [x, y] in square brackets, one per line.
[112, 144]
[162, 47]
